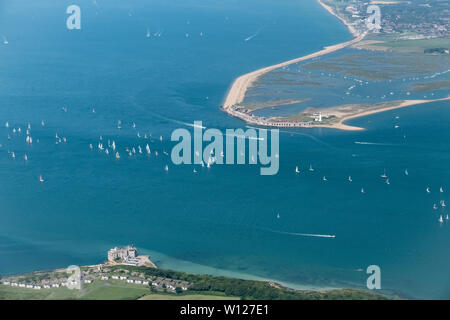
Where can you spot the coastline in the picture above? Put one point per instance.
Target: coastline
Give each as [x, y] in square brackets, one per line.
[405, 103]
[340, 125]
[240, 86]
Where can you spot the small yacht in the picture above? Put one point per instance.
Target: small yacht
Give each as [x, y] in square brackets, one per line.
[107, 151]
[311, 168]
[362, 190]
[6, 125]
[446, 217]
[195, 171]
[100, 146]
[440, 219]
[350, 178]
[296, 170]
[133, 125]
[13, 155]
[428, 190]
[384, 176]
[148, 33]
[387, 181]
[160, 138]
[42, 123]
[278, 216]
[139, 149]
[406, 172]
[41, 179]
[435, 206]
[324, 178]
[441, 190]
[117, 155]
[25, 157]
[166, 168]
[91, 146]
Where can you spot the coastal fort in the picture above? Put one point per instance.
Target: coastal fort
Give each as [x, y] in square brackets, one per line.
[128, 255]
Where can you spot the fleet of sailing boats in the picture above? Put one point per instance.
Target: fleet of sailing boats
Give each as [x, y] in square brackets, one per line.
[111, 148]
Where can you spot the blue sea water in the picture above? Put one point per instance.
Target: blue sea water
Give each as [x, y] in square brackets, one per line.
[222, 220]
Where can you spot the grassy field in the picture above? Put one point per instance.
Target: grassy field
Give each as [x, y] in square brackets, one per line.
[101, 290]
[414, 46]
[16, 293]
[115, 293]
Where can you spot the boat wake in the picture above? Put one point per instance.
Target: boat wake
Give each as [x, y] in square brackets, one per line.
[314, 235]
[374, 143]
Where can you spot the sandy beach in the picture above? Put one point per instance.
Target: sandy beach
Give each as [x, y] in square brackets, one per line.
[236, 94]
[240, 86]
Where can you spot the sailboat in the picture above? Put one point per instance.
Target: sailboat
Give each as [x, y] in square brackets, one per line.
[25, 157]
[440, 219]
[446, 217]
[195, 171]
[278, 216]
[148, 33]
[435, 206]
[443, 204]
[428, 190]
[384, 176]
[119, 124]
[441, 190]
[311, 168]
[166, 168]
[387, 181]
[296, 170]
[147, 148]
[5, 41]
[362, 190]
[324, 178]
[117, 155]
[350, 178]
[406, 172]
[41, 179]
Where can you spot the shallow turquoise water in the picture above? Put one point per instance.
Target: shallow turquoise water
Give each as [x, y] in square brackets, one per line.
[224, 217]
